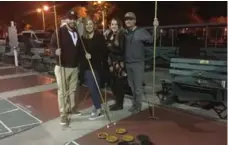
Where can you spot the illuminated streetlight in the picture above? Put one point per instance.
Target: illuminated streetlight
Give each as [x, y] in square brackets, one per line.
[39, 10]
[46, 8]
[103, 15]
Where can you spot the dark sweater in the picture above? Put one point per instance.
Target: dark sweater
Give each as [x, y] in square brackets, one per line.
[96, 47]
[69, 52]
[134, 44]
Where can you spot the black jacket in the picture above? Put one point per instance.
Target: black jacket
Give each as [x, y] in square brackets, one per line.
[69, 52]
[97, 48]
[116, 52]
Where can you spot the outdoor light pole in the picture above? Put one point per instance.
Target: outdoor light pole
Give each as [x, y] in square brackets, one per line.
[39, 10]
[103, 16]
[103, 20]
[43, 20]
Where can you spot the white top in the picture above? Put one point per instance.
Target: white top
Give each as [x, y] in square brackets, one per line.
[74, 37]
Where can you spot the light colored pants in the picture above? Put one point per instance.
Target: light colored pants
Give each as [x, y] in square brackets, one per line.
[66, 88]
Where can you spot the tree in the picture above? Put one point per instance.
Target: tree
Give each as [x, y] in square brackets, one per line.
[194, 17]
[94, 10]
[218, 19]
[81, 11]
[27, 27]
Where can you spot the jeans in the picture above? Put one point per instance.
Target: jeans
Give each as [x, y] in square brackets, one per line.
[91, 84]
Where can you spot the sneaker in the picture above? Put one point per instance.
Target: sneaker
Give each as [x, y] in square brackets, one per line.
[116, 107]
[132, 109]
[96, 115]
[135, 111]
[111, 106]
[76, 113]
[63, 120]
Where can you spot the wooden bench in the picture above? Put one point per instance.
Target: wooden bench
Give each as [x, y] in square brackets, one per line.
[30, 61]
[34, 60]
[163, 55]
[201, 82]
[49, 63]
[215, 53]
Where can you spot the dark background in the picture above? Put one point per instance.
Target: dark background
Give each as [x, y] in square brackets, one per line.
[168, 12]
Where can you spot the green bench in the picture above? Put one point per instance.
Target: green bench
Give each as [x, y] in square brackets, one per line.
[214, 53]
[165, 53]
[201, 82]
[163, 56]
[33, 60]
[49, 64]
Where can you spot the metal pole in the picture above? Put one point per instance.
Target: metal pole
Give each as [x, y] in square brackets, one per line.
[103, 20]
[43, 20]
[206, 36]
[172, 37]
[15, 56]
[216, 37]
[156, 23]
[161, 37]
[62, 75]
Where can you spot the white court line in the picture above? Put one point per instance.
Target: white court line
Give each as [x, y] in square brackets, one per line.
[19, 126]
[72, 142]
[9, 130]
[22, 74]
[25, 111]
[27, 91]
[6, 67]
[68, 143]
[75, 142]
[9, 111]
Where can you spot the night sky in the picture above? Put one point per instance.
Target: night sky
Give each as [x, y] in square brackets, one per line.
[168, 12]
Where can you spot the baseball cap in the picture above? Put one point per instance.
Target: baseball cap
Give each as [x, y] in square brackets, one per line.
[71, 15]
[130, 15]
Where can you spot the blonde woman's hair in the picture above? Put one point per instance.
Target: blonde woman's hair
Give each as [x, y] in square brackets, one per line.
[85, 21]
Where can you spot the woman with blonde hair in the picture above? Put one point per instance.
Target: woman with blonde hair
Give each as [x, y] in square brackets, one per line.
[96, 52]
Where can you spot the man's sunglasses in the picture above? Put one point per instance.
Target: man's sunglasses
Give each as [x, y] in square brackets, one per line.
[128, 18]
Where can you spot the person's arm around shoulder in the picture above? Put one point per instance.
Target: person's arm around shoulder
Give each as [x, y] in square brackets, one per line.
[145, 36]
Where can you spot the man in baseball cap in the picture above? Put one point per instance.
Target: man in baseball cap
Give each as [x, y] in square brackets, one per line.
[134, 57]
[68, 51]
[130, 20]
[71, 19]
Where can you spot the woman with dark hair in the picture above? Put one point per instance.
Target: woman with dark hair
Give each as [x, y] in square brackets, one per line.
[115, 45]
[96, 53]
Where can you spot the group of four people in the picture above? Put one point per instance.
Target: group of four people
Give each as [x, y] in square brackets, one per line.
[119, 52]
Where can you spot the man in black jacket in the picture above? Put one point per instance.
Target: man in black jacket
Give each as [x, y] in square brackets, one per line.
[69, 52]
